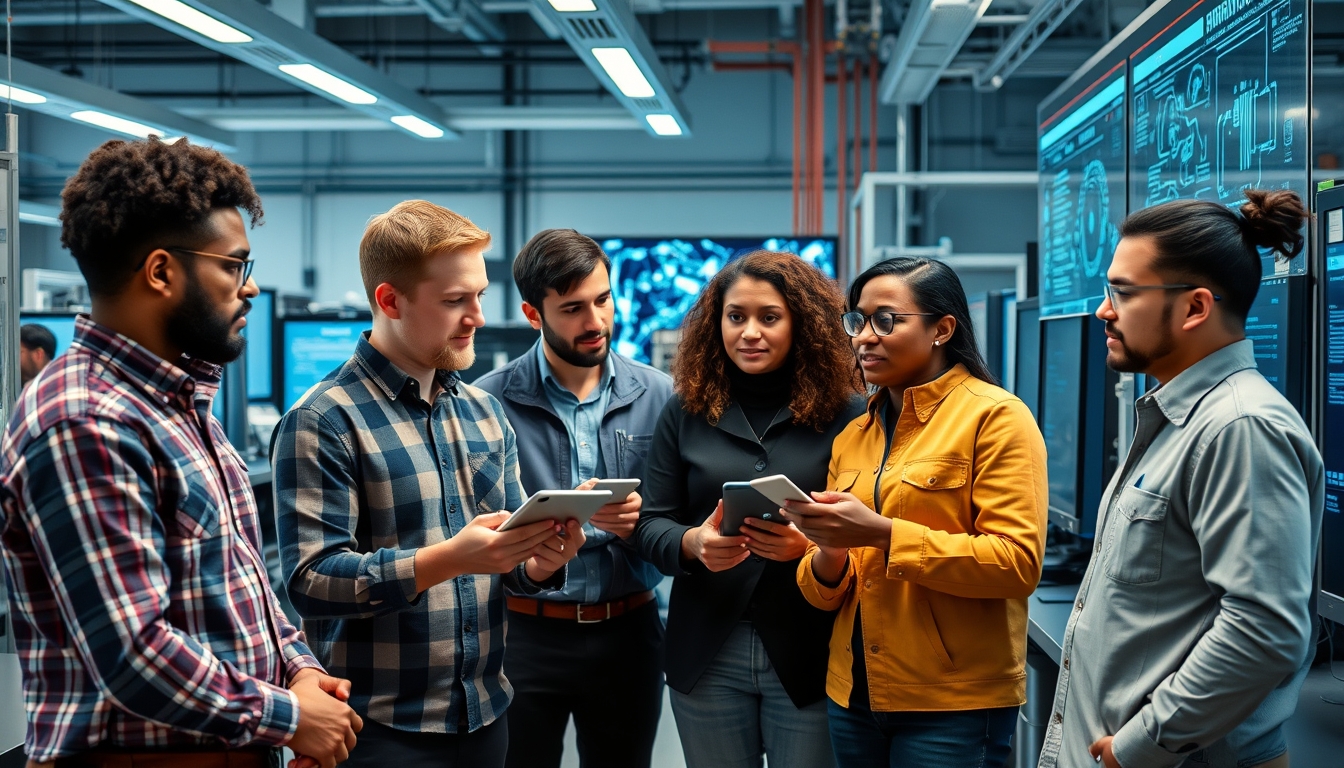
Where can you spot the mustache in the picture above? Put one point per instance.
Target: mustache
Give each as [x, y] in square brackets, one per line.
[242, 311]
[1112, 331]
[605, 333]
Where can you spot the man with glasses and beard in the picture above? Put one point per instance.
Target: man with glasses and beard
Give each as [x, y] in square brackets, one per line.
[1191, 634]
[590, 650]
[146, 628]
[391, 478]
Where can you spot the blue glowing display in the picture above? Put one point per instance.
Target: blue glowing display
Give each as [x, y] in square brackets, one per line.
[258, 334]
[314, 348]
[655, 281]
[61, 326]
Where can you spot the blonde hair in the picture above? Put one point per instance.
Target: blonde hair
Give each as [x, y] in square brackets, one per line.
[396, 244]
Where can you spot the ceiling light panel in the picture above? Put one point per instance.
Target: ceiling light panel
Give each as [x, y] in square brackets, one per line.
[291, 53]
[181, 13]
[609, 40]
[49, 92]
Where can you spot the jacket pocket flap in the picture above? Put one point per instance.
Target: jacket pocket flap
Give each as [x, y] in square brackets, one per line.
[936, 474]
[845, 479]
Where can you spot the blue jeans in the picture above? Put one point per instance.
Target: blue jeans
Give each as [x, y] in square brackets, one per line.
[977, 738]
[739, 711]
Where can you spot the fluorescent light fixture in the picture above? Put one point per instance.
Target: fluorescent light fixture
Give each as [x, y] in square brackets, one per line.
[623, 71]
[117, 124]
[181, 13]
[421, 128]
[21, 96]
[664, 125]
[573, 6]
[328, 82]
[37, 218]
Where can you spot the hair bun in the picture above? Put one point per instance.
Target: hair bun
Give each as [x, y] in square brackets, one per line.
[1273, 218]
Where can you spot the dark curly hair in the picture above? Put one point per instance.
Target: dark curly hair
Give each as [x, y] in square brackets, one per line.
[131, 196]
[824, 372]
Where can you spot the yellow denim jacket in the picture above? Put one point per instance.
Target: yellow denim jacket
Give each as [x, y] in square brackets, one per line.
[945, 611]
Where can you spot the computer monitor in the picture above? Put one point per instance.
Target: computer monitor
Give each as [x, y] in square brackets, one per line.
[1007, 369]
[655, 281]
[1026, 380]
[1274, 326]
[986, 311]
[61, 325]
[498, 344]
[1330, 242]
[259, 333]
[311, 348]
[1077, 415]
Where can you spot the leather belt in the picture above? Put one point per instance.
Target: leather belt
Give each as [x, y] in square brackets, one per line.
[583, 614]
[248, 757]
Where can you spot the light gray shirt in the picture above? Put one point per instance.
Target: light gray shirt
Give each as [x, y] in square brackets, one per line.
[1195, 605]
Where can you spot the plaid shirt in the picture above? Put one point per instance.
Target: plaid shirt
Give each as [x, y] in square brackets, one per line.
[141, 609]
[366, 473]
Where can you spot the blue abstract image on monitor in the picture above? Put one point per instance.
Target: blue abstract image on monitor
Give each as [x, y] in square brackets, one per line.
[314, 348]
[258, 335]
[1081, 194]
[61, 326]
[654, 282]
[1219, 105]
[1061, 408]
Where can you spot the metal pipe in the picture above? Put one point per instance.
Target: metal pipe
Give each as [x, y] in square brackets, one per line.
[858, 122]
[797, 141]
[818, 111]
[872, 113]
[841, 135]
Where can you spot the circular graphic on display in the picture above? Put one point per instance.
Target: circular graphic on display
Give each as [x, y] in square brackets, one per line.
[1094, 237]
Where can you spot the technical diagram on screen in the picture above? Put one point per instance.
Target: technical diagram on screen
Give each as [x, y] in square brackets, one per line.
[1219, 102]
[1081, 193]
[1330, 210]
[654, 281]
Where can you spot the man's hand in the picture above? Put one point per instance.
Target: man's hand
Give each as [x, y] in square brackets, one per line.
[839, 520]
[1101, 752]
[774, 541]
[479, 548]
[553, 553]
[327, 725]
[618, 517]
[718, 553]
[335, 687]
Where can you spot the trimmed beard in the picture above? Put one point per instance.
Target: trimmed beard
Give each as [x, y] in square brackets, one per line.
[451, 359]
[1132, 361]
[569, 351]
[195, 327]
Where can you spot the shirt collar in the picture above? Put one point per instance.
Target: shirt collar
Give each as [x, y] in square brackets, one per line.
[548, 374]
[925, 397]
[391, 379]
[1178, 397]
[162, 380]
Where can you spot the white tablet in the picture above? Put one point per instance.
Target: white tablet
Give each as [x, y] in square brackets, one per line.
[558, 506]
[779, 489]
[620, 488]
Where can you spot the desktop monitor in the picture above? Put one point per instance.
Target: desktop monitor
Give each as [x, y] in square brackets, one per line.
[1078, 417]
[259, 332]
[1007, 368]
[986, 311]
[655, 281]
[1026, 380]
[1330, 241]
[61, 325]
[311, 348]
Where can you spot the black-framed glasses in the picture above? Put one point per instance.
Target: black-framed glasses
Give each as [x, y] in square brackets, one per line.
[884, 322]
[1118, 294]
[244, 270]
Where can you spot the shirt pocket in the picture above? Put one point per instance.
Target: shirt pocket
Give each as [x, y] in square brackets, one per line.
[932, 492]
[844, 480]
[1140, 530]
[196, 515]
[487, 480]
[631, 453]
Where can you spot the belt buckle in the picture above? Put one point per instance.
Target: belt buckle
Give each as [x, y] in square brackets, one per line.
[578, 615]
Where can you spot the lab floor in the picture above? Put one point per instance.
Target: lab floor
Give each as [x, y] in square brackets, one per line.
[666, 747]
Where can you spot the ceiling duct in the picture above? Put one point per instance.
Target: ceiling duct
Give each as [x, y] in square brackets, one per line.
[609, 40]
[933, 33]
[1044, 19]
[248, 32]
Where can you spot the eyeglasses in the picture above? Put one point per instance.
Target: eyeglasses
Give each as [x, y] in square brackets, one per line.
[883, 322]
[1119, 294]
[241, 268]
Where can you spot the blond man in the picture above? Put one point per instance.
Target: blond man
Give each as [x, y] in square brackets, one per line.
[391, 478]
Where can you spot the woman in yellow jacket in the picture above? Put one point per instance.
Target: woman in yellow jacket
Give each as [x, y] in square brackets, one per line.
[930, 539]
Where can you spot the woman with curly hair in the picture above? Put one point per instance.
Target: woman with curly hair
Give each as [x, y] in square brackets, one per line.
[765, 380]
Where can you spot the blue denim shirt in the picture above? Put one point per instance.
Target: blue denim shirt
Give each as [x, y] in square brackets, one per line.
[582, 420]
[633, 395]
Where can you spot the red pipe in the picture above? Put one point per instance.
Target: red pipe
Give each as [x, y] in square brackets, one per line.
[818, 115]
[841, 129]
[797, 141]
[858, 124]
[733, 66]
[872, 114]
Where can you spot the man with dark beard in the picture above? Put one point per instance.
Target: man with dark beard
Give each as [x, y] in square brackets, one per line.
[391, 478]
[581, 412]
[147, 630]
[1190, 637]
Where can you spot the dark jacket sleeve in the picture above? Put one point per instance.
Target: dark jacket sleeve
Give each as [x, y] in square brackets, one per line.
[664, 518]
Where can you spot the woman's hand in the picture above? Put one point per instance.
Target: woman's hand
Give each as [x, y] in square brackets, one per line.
[828, 565]
[774, 541]
[839, 520]
[718, 553]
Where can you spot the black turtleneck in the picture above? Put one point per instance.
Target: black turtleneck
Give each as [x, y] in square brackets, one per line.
[761, 395]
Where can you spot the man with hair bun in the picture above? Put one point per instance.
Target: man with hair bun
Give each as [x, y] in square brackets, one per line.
[1192, 630]
[146, 628]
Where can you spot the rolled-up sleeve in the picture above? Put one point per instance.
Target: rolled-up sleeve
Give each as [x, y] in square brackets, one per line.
[316, 510]
[1253, 527]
